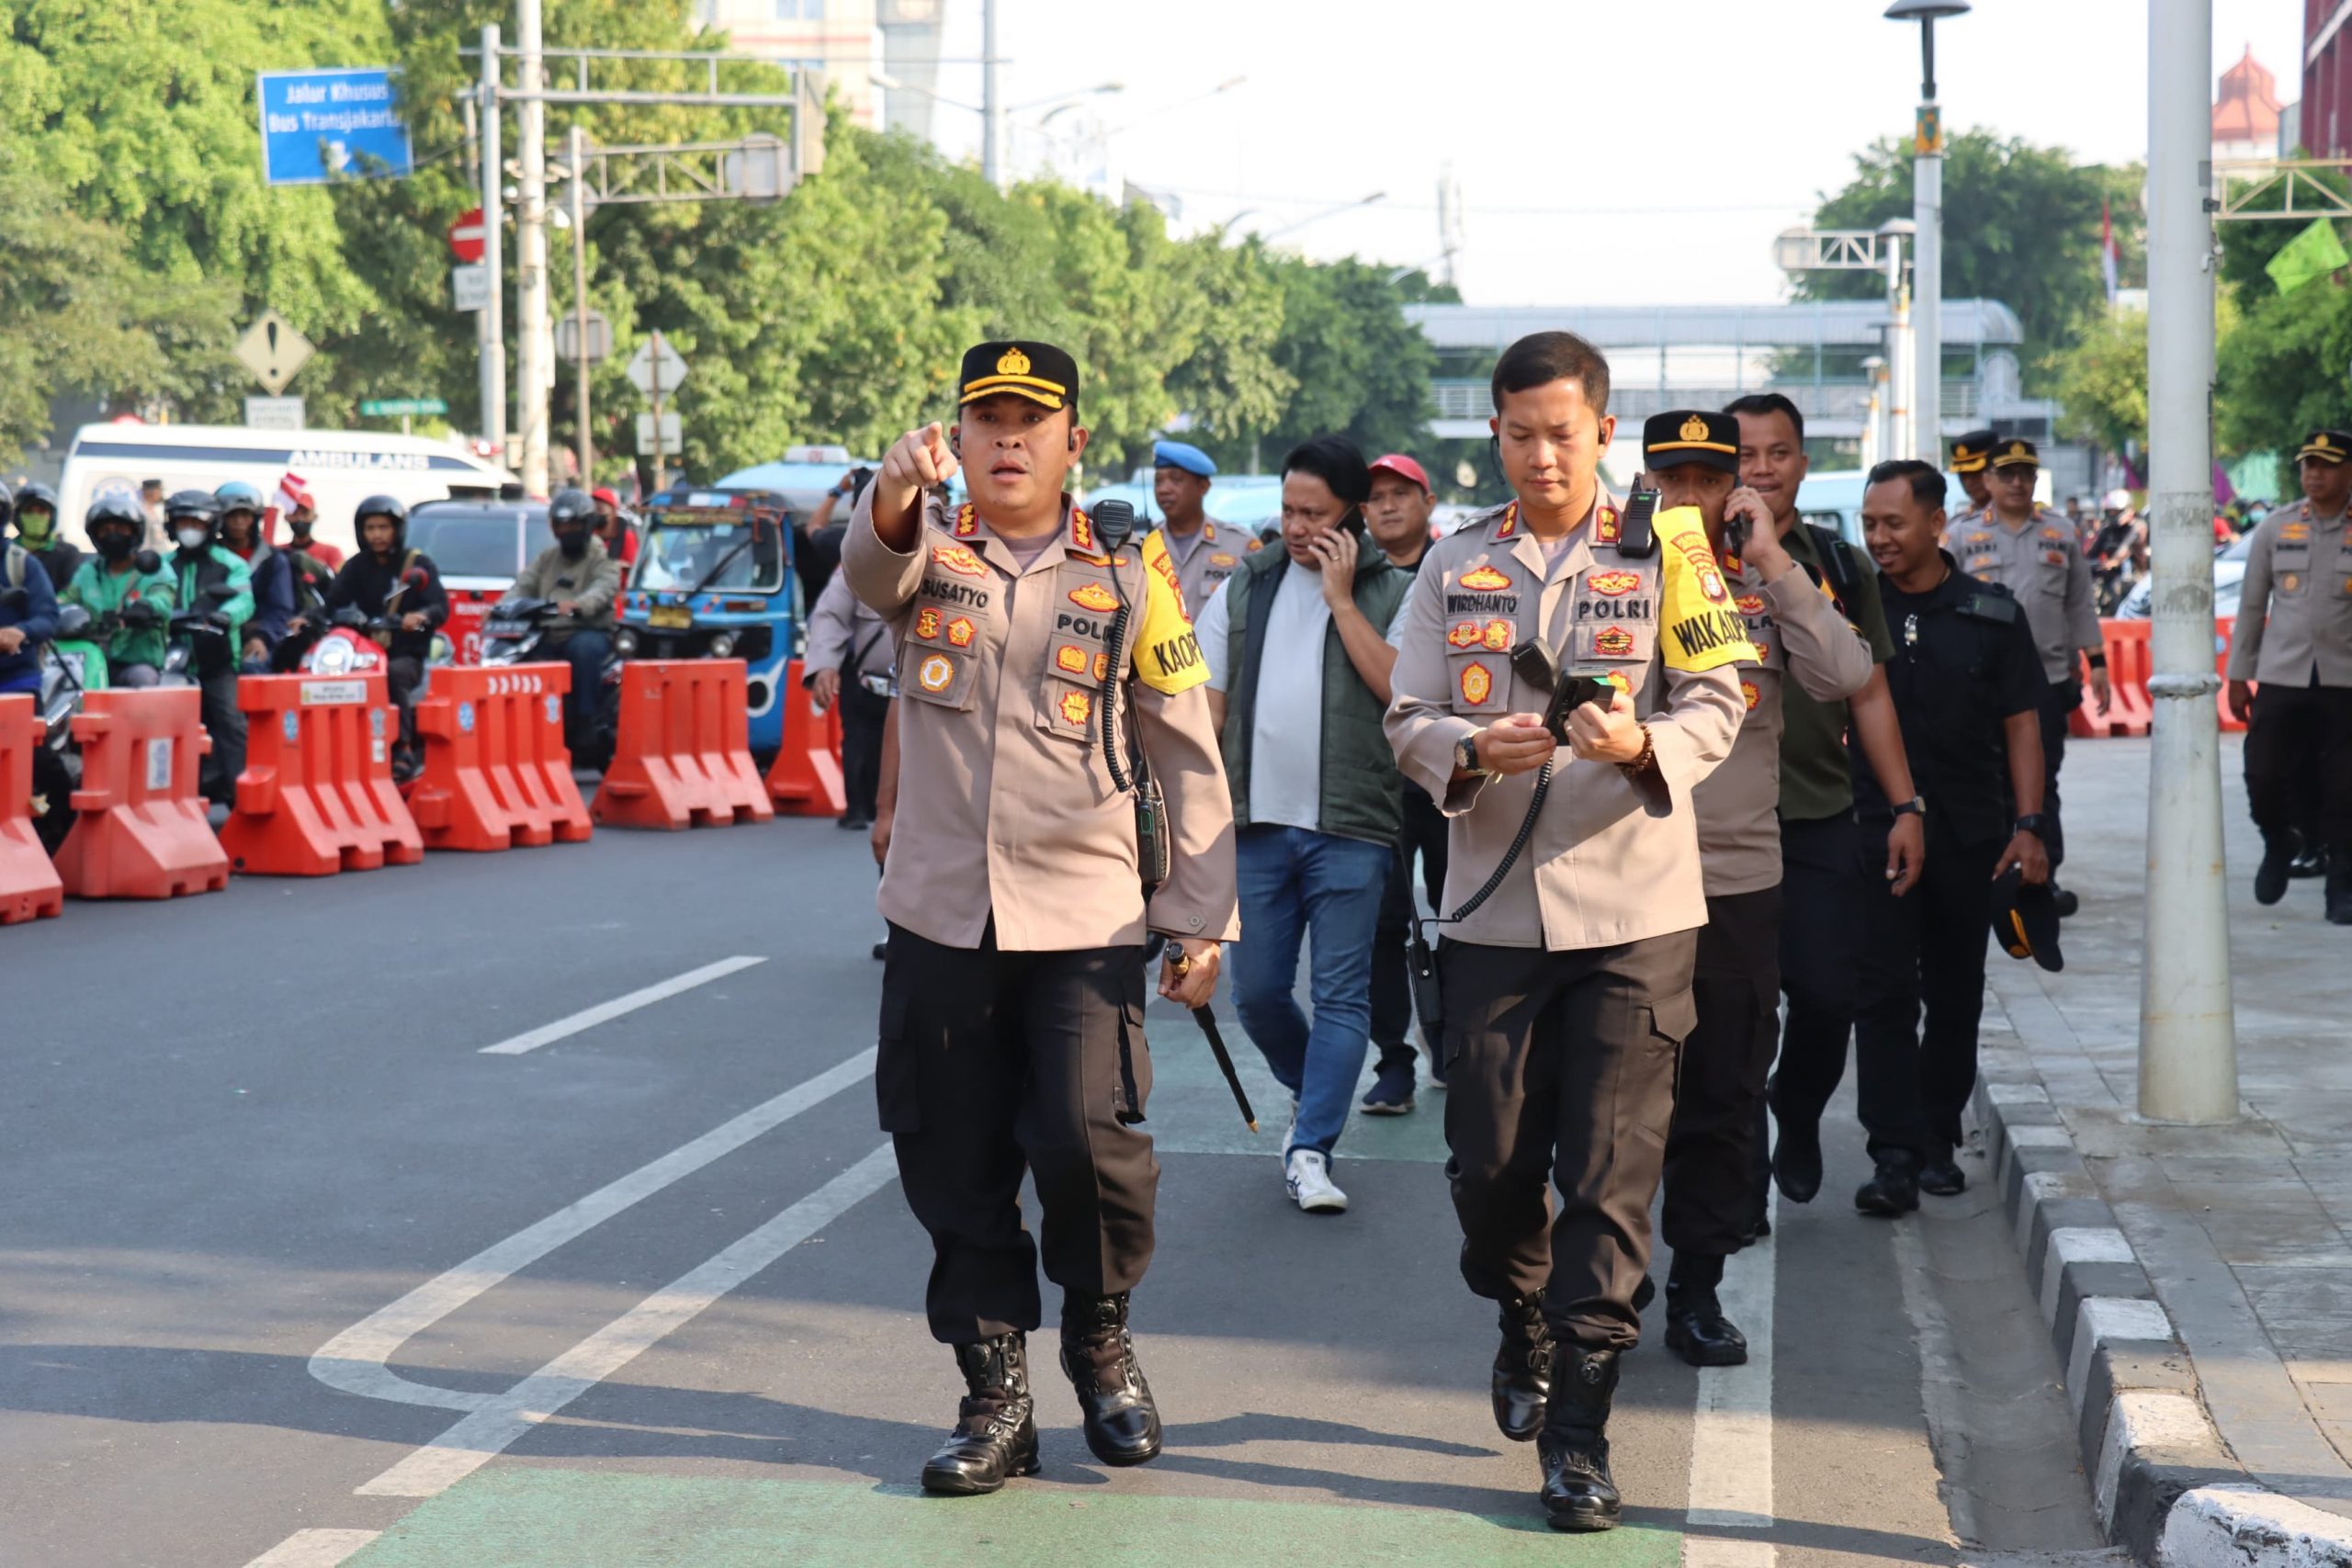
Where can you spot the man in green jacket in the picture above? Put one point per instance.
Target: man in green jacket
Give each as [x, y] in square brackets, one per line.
[214, 581]
[1297, 644]
[584, 582]
[111, 584]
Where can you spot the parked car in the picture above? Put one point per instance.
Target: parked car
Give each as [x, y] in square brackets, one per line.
[2229, 577]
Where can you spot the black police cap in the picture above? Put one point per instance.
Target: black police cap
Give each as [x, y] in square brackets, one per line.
[1022, 369]
[2025, 920]
[1690, 435]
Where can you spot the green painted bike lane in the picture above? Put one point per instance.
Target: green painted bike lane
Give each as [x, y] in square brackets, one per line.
[564, 1519]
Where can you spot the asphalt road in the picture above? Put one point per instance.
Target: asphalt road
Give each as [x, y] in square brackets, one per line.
[294, 1272]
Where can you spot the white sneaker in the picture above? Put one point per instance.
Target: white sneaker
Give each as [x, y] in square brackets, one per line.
[1307, 1174]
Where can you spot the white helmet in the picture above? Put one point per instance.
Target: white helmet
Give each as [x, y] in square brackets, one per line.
[2119, 501]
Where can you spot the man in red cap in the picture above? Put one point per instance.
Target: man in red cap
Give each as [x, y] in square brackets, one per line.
[1398, 517]
[620, 539]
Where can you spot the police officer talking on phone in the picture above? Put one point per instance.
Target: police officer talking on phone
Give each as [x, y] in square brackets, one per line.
[1568, 989]
[1012, 1034]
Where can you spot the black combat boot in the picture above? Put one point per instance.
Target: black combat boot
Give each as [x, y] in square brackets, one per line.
[1522, 1368]
[1574, 1445]
[2277, 866]
[996, 1430]
[2339, 884]
[1696, 1328]
[1099, 1354]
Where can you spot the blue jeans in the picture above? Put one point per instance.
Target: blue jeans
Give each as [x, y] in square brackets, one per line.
[585, 651]
[1296, 884]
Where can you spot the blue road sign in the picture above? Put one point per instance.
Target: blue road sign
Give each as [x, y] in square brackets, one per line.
[321, 125]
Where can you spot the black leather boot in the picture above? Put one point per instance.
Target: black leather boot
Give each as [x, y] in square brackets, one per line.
[1578, 1494]
[1696, 1328]
[2339, 886]
[1523, 1380]
[996, 1429]
[2277, 866]
[1099, 1355]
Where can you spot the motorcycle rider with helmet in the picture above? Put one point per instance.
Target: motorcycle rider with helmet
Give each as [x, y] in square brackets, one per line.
[584, 581]
[25, 623]
[37, 532]
[116, 582]
[386, 580]
[216, 582]
[243, 535]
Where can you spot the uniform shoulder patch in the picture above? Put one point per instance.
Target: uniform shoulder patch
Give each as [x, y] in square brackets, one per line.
[1703, 631]
[1483, 580]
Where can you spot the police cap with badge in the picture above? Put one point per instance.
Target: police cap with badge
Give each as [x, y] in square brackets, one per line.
[1679, 436]
[1022, 369]
[2025, 920]
[1972, 452]
[2017, 452]
[2327, 445]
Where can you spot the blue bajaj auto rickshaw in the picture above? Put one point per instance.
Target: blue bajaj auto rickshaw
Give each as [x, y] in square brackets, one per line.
[713, 580]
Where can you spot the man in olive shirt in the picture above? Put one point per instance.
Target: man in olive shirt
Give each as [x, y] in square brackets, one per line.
[1824, 874]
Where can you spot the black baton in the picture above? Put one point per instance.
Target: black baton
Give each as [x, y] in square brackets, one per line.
[1207, 1020]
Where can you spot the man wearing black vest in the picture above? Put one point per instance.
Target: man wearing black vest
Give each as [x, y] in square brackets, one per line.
[1298, 656]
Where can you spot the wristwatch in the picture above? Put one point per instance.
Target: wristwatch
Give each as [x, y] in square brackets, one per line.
[1465, 756]
[2031, 822]
[1915, 807]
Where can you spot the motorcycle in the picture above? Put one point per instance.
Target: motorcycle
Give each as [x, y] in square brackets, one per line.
[73, 665]
[351, 642]
[517, 632]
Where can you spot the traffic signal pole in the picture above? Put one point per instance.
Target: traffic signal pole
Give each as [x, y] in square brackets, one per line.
[2187, 1033]
[493, 254]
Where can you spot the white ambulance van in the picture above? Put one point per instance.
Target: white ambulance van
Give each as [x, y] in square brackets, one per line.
[340, 468]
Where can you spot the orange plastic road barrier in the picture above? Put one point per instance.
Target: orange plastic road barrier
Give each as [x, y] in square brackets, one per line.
[497, 773]
[317, 795]
[139, 832]
[2224, 629]
[30, 886]
[806, 778]
[2130, 711]
[683, 758]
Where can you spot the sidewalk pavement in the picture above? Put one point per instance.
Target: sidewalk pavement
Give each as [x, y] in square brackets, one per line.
[2198, 1280]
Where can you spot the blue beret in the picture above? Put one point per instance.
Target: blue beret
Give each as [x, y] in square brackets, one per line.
[1182, 455]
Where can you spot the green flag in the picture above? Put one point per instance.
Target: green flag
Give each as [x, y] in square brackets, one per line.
[2315, 253]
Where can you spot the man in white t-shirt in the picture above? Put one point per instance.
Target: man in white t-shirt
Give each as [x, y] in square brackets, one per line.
[1298, 657]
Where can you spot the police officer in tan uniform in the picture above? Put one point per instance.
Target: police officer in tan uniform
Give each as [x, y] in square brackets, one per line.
[1566, 991]
[1205, 551]
[1971, 459]
[2294, 636]
[1012, 1037]
[1797, 631]
[2036, 555]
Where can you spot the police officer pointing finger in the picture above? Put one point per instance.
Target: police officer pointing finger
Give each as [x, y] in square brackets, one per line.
[1048, 698]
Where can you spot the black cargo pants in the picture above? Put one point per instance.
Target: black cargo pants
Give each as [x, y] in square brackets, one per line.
[996, 1065]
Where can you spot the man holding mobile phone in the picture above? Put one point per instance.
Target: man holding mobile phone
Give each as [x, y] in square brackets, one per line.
[1567, 989]
[1298, 660]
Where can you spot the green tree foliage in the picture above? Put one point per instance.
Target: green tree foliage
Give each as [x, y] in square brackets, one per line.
[836, 314]
[2021, 225]
[2281, 366]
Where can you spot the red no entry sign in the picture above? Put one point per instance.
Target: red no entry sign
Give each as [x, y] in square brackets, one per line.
[465, 236]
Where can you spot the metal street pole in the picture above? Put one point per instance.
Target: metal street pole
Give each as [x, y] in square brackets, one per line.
[2187, 1035]
[661, 467]
[991, 101]
[580, 296]
[1901, 357]
[493, 254]
[534, 358]
[1927, 243]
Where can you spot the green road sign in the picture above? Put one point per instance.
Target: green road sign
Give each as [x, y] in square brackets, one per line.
[392, 408]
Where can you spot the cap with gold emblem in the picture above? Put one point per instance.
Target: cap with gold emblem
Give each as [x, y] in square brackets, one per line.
[1689, 435]
[2327, 445]
[2017, 452]
[1037, 371]
[1970, 452]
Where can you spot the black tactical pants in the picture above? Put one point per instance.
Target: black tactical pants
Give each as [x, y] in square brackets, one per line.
[863, 715]
[1711, 1154]
[1424, 835]
[1560, 1069]
[1823, 887]
[225, 724]
[2058, 701]
[2293, 725]
[998, 1064]
[1922, 951]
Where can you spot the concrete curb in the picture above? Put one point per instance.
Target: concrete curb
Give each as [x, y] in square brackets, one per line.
[2164, 1484]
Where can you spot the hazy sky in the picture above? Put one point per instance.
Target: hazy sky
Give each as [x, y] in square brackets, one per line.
[1627, 152]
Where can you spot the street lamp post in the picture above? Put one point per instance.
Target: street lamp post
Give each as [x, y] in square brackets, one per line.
[2187, 1038]
[1928, 246]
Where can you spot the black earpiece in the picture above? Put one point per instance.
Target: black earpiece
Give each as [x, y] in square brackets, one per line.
[955, 440]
